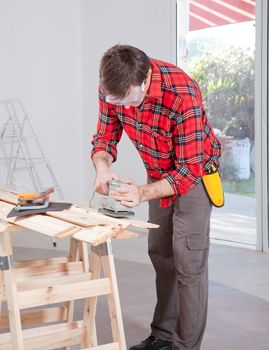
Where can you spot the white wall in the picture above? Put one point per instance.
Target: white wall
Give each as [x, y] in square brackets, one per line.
[147, 24]
[50, 53]
[40, 63]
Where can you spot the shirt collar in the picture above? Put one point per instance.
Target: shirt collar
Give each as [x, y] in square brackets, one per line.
[155, 90]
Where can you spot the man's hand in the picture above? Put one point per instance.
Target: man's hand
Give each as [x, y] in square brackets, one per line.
[129, 196]
[101, 181]
[102, 161]
[132, 195]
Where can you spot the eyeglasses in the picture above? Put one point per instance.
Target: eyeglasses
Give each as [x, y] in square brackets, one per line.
[134, 97]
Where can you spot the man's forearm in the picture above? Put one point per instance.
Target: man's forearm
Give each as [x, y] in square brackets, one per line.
[102, 161]
[155, 190]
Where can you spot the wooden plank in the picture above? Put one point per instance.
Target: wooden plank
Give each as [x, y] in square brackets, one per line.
[47, 282]
[40, 262]
[141, 224]
[114, 301]
[8, 196]
[125, 234]
[35, 317]
[3, 227]
[84, 254]
[48, 337]
[56, 228]
[40, 223]
[109, 346]
[90, 304]
[110, 220]
[44, 224]
[51, 269]
[83, 219]
[3, 253]
[11, 291]
[1, 293]
[82, 215]
[70, 305]
[63, 292]
[67, 233]
[95, 235]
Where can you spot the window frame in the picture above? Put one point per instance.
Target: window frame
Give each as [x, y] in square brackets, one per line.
[261, 126]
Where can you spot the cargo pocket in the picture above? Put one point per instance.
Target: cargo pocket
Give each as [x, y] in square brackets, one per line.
[195, 254]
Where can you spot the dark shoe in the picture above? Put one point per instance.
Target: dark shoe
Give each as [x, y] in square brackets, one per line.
[153, 343]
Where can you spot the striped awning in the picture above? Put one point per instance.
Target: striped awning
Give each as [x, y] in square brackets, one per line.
[211, 13]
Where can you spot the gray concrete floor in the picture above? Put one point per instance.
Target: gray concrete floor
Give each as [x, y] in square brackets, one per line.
[238, 315]
[236, 220]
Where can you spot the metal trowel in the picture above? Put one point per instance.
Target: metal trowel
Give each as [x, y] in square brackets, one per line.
[112, 207]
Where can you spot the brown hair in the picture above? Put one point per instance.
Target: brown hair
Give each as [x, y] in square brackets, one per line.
[122, 66]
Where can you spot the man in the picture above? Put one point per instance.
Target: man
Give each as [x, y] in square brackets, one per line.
[160, 108]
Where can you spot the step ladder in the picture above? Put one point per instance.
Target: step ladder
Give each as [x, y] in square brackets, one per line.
[28, 285]
[20, 150]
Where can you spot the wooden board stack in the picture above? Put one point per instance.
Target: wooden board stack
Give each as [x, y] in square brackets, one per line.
[32, 288]
[79, 222]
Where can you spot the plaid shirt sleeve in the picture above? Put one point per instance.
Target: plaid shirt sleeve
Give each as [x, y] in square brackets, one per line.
[109, 129]
[188, 135]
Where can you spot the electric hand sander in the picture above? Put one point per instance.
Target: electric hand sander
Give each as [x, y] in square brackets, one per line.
[112, 207]
[32, 201]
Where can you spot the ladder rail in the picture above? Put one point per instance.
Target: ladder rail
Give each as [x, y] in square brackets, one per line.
[27, 152]
[17, 124]
[27, 120]
[21, 148]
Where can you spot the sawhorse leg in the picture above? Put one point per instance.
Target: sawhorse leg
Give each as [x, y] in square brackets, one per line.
[108, 265]
[101, 256]
[79, 250]
[8, 275]
[1, 290]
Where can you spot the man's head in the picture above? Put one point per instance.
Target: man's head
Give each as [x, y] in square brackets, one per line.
[124, 75]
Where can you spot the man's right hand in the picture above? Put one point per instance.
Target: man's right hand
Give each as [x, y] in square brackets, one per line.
[101, 181]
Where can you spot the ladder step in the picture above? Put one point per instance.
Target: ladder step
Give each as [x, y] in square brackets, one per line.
[48, 337]
[72, 289]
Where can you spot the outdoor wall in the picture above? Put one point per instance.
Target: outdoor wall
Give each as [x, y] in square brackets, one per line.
[149, 25]
[40, 63]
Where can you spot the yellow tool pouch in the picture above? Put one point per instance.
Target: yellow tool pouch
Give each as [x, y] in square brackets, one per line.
[213, 187]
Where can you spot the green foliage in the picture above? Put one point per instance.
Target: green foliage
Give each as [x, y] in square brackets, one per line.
[243, 187]
[226, 76]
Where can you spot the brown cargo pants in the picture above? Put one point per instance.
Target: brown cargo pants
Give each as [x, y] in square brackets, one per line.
[179, 253]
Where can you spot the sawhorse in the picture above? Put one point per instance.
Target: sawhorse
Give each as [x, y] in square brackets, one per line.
[30, 284]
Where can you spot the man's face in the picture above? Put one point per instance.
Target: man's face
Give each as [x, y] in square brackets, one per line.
[135, 96]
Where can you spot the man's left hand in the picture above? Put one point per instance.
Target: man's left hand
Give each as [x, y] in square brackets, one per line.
[129, 196]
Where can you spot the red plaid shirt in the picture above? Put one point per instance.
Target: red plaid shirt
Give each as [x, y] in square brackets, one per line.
[170, 130]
